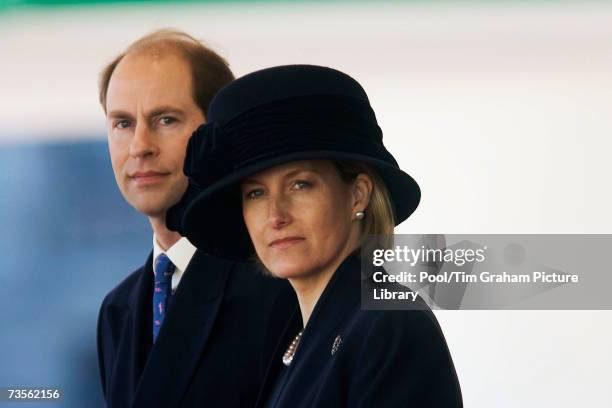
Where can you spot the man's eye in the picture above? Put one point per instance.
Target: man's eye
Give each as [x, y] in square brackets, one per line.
[167, 120]
[122, 124]
[301, 185]
[254, 194]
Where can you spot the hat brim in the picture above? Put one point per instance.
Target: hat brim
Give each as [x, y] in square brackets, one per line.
[213, 221]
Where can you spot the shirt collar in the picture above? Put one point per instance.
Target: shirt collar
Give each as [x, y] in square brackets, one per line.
[180, 255]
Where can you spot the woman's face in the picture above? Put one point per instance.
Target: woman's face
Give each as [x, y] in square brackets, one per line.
[301, 217]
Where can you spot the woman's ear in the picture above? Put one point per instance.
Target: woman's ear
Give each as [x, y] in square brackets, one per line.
[362, 191]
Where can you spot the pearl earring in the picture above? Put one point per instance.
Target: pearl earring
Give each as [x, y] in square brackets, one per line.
[359, 215]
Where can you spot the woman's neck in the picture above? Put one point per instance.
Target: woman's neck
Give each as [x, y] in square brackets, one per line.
[309, 288]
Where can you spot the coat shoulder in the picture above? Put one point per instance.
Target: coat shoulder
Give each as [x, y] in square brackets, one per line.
[397, 332]
[256, 283]
[402, 323]
[410, 342]
[124, 289]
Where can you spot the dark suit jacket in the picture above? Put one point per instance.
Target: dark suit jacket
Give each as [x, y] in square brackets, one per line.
[396, 358]
[222, 325]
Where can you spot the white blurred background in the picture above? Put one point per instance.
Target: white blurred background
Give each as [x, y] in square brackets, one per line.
[500, 110]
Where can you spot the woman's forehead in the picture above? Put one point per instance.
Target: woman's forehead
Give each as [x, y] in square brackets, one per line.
[320, 167]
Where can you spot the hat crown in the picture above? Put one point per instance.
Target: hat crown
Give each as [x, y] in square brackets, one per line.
[279, 83]
[268, 118]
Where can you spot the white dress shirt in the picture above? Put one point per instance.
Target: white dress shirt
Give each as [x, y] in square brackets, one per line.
[180, 255]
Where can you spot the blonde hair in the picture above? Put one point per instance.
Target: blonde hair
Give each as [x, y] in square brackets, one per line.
[379, 221]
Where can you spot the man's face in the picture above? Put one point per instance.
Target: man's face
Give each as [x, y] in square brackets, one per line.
[151, 115]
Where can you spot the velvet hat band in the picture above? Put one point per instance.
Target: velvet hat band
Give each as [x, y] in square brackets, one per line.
[312, 123]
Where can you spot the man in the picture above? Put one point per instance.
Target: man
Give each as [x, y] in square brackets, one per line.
[185, 329]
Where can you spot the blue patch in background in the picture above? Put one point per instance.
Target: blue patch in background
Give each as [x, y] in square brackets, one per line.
[67, 238]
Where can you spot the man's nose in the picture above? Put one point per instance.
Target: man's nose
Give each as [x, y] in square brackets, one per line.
[278, 212]
[143, 143]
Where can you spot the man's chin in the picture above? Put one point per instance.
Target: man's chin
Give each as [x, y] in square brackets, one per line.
[154, 204]
[151, 209]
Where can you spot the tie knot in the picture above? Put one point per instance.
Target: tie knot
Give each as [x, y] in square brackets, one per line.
[163, 268]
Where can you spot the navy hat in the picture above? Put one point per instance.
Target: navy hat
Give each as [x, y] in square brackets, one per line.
[270, 117]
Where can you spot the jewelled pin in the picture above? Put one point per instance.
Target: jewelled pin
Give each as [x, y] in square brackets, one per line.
[336, 345]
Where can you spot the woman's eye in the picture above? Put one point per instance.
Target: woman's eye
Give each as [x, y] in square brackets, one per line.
[254, 194]
[301, 185]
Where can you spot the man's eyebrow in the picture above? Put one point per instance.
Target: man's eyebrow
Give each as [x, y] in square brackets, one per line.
[117, 113]
[164, 110]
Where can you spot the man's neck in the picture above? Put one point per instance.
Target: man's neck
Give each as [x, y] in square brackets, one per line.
[165, 237]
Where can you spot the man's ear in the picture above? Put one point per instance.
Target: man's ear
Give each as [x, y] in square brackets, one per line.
[362, 191]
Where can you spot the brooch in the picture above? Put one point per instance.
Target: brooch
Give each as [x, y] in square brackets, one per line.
[336, 345]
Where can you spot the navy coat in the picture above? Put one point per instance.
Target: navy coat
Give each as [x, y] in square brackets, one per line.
[220, 330]
[349, 357]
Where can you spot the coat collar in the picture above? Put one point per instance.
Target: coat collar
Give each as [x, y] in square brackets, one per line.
[183, 336]
[339, 299]
[294, 325]
[136, 336]
[341, 291]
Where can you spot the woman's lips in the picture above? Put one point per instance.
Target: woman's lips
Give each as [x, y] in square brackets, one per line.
[284, 243]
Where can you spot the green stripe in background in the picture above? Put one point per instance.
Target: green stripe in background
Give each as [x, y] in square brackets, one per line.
[48, 4]
[51, 3]
[10, 4]
[24, 5]
[32, 5]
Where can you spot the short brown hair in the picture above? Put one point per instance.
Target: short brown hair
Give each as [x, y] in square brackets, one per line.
[210, 71]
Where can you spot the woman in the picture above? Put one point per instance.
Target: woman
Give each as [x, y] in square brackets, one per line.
[291, 171]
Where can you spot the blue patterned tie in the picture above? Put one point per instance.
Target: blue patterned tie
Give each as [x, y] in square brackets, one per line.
[163, 269]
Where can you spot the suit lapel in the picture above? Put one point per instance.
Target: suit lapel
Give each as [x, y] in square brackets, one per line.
[336, 304]
[274, 366]
[184, 333]
[134, 334]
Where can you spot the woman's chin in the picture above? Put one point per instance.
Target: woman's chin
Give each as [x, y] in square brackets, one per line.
[288, 270]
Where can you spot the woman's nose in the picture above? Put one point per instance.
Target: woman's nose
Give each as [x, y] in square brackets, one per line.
[278, 212]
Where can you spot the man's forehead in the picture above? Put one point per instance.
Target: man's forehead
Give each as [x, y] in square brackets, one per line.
[152, 69]
[151, 81]
[155, 56]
